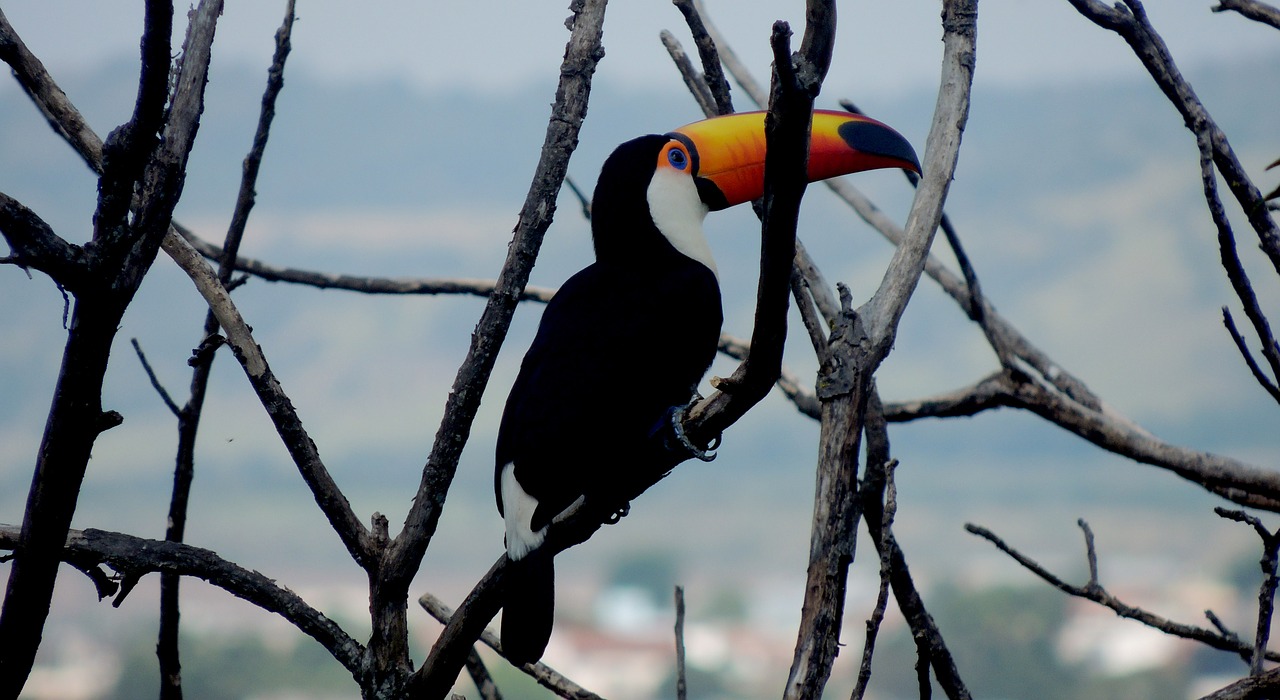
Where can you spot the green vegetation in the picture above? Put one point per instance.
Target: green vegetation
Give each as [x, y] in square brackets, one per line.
[239, 668]
[1004, 642]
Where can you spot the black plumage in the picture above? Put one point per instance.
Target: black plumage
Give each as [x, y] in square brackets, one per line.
[621, 343]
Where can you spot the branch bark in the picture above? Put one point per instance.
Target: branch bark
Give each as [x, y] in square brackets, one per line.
[167, 646]
[52, 102]
[405, 553]
[1094, 591]
[364, 285]
[1254, 10]
[134, 557]
[546, 676]
[126, 248]
[878, 502]
[1129, 20]
[857, 345]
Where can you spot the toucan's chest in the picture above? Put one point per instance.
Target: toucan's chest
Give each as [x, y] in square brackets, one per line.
[616, 348]
[637, 311]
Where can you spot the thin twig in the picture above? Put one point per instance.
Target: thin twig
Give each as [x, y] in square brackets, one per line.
[682, 682]
[876, 498]
[481, 677]
[1098, 594]
[1267, 591]
[1238, 276]
[712, 73]
[546, 676]
[886, 571]
[294, 436]
[816, 326]
[155, 381]
[583, 200]
[1129, 20]
[1253, 9]
[693, 81]
[1271, 387]
[167, 645]
[353, 283]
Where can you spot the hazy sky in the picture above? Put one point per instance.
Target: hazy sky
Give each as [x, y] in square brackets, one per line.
[497, 45]
[1099, 271]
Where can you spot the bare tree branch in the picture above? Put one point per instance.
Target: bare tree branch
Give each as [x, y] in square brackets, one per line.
[155, 381]
[137, 160]
[134, 557]
[835, 509]
[786, 156]
[1267, 591]
[1129, 20]
[886, 570]
[1242, 346]
[1253, 9]
[365, 285]
[1095, 592]
[406, 551]
[701, 93]
[52, 102]
[167, 645]
[480, 676]
[546, 676]
[34, 244]
[248, 353]
[712, 74]
[1252, 688]
[1238, 276]
[885, 308]
[682, 683]
[1234, 480]
[874, 494]
[294, 436]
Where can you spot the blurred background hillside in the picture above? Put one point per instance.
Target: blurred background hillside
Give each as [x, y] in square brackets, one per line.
[1078, 198]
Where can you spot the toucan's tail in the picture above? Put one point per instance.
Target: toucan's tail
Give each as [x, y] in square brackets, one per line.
[529, 608]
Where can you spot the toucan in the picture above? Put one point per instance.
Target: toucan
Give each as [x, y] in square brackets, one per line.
[630, 336]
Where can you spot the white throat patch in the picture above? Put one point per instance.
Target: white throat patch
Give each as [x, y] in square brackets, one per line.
[678, 212]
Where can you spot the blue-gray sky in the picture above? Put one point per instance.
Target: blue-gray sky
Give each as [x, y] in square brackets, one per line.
[498, 45]
[1107, 262]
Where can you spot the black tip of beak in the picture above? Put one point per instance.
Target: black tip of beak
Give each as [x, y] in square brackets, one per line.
[873, 139]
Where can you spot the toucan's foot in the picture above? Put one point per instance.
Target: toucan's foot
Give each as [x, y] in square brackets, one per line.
[618, 514]
[706, 454]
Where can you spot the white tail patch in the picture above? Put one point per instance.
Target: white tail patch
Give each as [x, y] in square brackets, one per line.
[517, 510]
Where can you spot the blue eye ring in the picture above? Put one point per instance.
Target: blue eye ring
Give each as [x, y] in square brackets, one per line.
[677, 158]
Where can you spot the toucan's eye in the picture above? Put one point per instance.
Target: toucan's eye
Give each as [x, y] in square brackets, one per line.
[677, 159]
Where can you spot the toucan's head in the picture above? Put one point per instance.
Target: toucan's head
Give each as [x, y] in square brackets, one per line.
[669, 182]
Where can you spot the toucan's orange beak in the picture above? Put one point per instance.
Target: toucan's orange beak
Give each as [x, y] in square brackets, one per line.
[728, 152]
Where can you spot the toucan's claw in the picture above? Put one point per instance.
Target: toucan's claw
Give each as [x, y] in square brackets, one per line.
[618, 514]
[706, 454]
